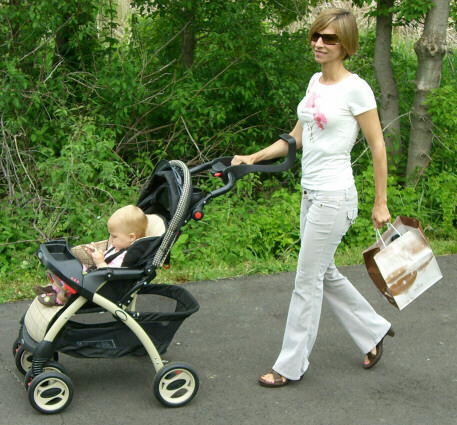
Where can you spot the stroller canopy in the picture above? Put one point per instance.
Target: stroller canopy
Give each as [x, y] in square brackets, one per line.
[168, 194]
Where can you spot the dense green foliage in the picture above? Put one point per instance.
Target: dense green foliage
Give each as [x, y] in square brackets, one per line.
[86, 115]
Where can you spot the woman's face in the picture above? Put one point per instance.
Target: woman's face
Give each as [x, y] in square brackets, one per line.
[324, 47]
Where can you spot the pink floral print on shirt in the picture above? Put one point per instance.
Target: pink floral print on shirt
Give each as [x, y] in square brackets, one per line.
[319, 117]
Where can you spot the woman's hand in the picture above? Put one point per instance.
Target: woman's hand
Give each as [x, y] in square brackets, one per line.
[380, 215]
[242, 159]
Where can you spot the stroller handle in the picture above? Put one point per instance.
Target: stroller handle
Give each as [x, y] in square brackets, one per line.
[221, 167]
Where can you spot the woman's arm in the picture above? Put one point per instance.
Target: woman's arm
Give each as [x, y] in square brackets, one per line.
[276, 150]
[371, 128]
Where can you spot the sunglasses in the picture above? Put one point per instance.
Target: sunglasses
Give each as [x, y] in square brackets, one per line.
[330, 39]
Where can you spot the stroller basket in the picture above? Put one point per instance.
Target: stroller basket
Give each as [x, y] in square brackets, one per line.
[113, 339]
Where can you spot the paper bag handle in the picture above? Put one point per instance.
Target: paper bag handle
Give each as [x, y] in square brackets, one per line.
[378, 234]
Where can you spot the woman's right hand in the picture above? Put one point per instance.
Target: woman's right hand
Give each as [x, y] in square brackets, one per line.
[242, 159]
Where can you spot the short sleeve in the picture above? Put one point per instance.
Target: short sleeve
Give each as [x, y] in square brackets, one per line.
[361, 98]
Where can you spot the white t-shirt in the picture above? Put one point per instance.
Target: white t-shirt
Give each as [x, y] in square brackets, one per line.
[327, 114]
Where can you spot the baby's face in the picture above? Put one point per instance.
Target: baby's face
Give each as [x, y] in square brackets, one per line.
[119, 238]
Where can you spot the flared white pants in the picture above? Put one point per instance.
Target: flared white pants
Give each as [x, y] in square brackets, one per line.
[324, 219]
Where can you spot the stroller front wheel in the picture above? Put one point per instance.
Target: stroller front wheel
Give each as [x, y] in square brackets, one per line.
[50, 392]
[50, 366]
[23, 360]
[176, 384]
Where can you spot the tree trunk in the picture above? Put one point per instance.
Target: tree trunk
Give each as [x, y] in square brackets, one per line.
[389, 109]
[15, 29]
[430, 50]
[188, 40]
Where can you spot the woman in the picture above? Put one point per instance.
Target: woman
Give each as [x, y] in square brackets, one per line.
[336, 105]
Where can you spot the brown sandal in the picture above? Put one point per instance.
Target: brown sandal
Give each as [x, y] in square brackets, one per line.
[374, 358]
[278, 380]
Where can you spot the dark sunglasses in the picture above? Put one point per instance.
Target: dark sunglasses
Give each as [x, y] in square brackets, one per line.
[330, 39]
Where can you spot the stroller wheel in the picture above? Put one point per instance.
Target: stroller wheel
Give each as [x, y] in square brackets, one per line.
[50, 366]
[16, 345]
[23, 360]
[55, 367]
[50, 392]
[176, 384]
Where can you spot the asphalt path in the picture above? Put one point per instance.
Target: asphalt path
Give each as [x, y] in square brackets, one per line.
[236, 336]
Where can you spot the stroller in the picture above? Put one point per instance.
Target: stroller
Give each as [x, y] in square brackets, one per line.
[170, 201]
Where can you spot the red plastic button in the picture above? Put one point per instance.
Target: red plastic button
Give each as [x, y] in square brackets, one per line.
[217, 174]
[198, 216]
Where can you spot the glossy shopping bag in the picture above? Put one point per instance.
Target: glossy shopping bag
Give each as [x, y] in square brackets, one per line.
[401, 263]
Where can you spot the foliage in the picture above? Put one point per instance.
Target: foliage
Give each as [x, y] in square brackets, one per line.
[86, 115]
[269, 227]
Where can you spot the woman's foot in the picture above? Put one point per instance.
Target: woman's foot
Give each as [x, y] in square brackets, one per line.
[375, 354]
[273, 379]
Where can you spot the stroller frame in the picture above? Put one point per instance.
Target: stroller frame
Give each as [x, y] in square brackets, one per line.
[49, 388]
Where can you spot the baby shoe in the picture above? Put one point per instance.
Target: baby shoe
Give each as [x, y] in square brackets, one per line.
[43, 289]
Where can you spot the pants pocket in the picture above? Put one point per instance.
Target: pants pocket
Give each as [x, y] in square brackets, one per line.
[352, 215]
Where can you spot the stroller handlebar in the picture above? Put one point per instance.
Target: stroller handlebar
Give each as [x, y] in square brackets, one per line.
[221, 167]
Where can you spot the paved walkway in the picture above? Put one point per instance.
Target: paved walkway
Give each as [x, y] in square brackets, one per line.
[236, 336]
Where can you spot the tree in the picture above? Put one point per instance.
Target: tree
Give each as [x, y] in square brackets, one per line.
[194, 19]
[389, 108]
[430, 50]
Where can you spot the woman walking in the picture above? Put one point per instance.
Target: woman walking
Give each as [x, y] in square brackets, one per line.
[336, 105]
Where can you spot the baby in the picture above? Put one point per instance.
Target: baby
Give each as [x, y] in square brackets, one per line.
[125, 226]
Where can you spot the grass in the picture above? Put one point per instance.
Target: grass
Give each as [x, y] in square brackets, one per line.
[20, 289]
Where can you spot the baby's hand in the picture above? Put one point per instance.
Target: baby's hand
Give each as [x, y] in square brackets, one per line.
[90, 248]
[98, 257]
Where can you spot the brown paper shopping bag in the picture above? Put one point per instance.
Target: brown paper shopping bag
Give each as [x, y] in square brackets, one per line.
[401, 262]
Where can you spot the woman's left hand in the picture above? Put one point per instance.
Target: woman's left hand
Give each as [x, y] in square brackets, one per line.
[380, 215]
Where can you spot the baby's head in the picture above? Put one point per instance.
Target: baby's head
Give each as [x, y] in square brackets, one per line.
[126, 225]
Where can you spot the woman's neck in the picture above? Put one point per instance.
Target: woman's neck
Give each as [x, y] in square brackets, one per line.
[333, 73]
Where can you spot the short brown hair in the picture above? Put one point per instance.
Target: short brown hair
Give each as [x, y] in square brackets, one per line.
[345, 26]
[131, 219]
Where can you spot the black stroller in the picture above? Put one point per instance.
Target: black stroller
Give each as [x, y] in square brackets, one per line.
[170, 201]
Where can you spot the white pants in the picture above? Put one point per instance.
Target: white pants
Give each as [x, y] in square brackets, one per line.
[325, 218]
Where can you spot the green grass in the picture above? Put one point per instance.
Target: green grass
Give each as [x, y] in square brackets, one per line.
[20, 289]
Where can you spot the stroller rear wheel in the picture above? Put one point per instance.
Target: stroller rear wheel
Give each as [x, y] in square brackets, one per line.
[50, 392]
[176, 384]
